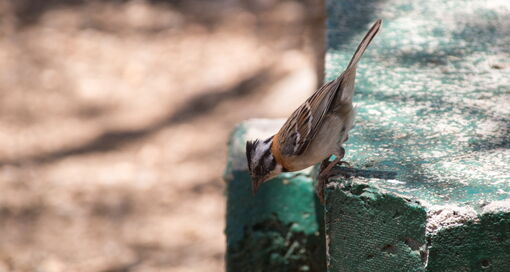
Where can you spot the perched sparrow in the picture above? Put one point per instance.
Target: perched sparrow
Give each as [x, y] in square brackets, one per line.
[314, 132]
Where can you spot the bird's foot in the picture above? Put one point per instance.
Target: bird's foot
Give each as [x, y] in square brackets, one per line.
[340, 163]
[326, 172]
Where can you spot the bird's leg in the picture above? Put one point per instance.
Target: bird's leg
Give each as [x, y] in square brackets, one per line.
[338, 160]
[321, 181]
[325, 171]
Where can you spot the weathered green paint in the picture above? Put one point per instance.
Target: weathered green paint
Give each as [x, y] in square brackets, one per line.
[432, 95]
[483, 245]
[433, 103]
[279, 229]
[354, 211]
[371, 229]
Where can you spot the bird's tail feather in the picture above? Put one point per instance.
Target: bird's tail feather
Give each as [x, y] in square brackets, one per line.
[364, 44]
[345, 81]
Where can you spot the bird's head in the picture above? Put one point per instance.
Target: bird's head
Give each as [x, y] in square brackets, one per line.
[261, 162]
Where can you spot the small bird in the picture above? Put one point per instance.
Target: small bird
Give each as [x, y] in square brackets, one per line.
[315, 131]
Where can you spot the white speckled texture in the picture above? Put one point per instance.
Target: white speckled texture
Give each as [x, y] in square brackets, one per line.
[433, 95]
[439, 217]
[433, 102]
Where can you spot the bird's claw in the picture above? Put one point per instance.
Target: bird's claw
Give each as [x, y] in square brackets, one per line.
[340, 163]
[324, 177]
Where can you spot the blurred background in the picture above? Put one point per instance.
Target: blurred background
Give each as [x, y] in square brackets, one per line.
[114, 120]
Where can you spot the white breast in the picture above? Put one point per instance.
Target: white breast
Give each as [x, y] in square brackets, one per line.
[327, 141]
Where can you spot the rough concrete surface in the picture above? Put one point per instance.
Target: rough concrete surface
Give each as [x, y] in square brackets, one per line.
[368, 230]
[433, 102]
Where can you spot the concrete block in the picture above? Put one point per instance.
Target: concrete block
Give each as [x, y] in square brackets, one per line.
[369, 228]
[431, 144]
[278, 229]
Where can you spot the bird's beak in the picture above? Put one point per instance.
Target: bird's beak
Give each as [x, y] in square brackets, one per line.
[255, 184]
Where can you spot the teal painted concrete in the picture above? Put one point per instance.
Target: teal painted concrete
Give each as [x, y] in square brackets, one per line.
[433, 127]
[481, 245]
[432, 95]
[279, 229]
[369, 228]
[373, 231]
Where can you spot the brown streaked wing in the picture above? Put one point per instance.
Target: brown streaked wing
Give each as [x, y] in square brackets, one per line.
[301, 127]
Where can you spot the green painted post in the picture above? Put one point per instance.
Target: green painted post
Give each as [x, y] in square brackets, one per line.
[280, 228]
[431, 143]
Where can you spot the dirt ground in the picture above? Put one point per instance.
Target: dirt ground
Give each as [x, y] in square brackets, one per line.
[114, 119]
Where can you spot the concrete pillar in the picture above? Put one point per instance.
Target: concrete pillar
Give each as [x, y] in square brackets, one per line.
[278, 229]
